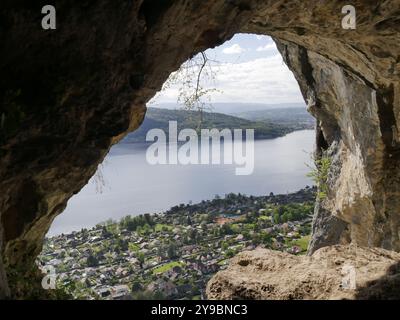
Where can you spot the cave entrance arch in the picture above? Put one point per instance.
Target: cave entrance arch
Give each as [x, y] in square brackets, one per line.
[67, 96]
[248, 63]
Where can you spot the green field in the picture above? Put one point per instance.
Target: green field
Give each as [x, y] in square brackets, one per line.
[302, 242]
[159, 227]
[167, 266]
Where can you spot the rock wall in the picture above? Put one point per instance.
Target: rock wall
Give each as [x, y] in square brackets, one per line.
[68, 94]
[360, 137]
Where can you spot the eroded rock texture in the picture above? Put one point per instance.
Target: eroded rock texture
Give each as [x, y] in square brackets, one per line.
[68, 94]
[333, 272]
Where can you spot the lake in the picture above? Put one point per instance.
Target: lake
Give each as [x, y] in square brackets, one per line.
[128, 185]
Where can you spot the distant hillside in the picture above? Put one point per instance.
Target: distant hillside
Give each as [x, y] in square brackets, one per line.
[297, 118]
[159, 118]
[233, 108]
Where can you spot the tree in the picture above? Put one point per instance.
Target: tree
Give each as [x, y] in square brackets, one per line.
[136, 286]
[171, 251]
[193, 95]
[266, 239]
[122, 245]
[226, 229]
[92, 261]
[105, 233]
[210, 218]
[229, 253]
[256, 239]
[148, 219]
[141, 259]
[193, 235]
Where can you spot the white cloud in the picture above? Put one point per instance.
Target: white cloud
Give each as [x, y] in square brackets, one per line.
[234, 49]
[263, 80]
[267, 47]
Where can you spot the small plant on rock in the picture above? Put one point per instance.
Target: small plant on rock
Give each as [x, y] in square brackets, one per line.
[319, 174]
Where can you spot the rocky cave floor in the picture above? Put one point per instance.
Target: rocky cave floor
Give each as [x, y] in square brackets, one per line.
[334, 272]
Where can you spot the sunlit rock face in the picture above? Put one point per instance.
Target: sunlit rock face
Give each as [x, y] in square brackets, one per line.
[333, 272]
[68, 94]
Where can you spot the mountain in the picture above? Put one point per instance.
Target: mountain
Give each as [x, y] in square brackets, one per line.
[294, 117]
[233, 108]
[159, 118]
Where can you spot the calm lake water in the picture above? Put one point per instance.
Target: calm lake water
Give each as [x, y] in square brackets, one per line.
[132, 186]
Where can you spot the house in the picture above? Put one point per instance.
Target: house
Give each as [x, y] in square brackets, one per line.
[120, 292]
[189, 249]
[167, 288]
[177, 237]
[55, 262]
[184, 289]
[205, 268]
[239, 237]
[250, 247]
[104, 292]
[294, 250]
[121, 271]
[90, 271]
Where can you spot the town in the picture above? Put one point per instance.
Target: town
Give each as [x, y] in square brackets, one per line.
[172, 255]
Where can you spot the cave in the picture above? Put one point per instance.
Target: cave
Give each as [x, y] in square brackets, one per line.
[68, 94]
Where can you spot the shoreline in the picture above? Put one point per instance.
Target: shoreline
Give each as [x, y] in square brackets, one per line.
[280, 197]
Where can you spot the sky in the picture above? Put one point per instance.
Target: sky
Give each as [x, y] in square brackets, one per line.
[247, 69]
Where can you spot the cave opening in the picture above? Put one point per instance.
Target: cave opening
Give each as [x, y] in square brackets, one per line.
[68, 95]
[247, 86]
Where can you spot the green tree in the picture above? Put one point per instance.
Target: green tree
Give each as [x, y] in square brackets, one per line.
[136, 286]
[92, 261]
[229, 253]
[172, 251]
[141, 258]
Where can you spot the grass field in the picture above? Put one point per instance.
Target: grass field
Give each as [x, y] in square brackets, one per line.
[302, 242]
[159, 227]
[167, 266]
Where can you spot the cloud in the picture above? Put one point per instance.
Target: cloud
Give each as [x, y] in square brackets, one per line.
[234, 49]
[267, 47]
[263, 80]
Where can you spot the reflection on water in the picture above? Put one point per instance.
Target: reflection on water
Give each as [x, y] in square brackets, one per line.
[132, 186]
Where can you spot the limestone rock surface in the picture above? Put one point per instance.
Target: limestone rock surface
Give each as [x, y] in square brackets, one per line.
[335, 272]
